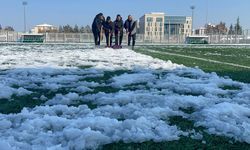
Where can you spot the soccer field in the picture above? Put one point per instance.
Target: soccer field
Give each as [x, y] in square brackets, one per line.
[76, 97]
[232, 61]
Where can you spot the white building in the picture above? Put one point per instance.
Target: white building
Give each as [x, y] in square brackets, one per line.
[178, 25]
[43, 28]
[152, 26]
[156, 25]
[200, 31]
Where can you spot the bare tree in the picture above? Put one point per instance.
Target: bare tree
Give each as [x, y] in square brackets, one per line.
[9, 28]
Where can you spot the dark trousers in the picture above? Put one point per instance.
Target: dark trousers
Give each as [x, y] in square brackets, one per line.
[97, 38]
[109, 39]
[118, 37]
[133, 37]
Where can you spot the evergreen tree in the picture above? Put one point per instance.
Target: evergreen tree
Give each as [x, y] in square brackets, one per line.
[60, 30]
[238, 27]
[76, 29]
[231, 30]
[0, 27]
[68, 29]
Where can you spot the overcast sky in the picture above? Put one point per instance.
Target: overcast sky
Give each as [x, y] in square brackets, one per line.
[81, 12]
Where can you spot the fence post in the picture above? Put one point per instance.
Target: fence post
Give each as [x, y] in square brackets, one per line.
[16, 37]
[7, 36]
[151, 38]
[64, 35]
[247, 37]
[227, 39]
[219, 38]
[79, 37]
[44, 37]
[235, 38]
[143, 38]
[210, 41]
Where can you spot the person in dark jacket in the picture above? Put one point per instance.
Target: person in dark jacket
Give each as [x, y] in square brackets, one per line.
[130, 26]
[108, 27]
[97, 28]
[118, 27]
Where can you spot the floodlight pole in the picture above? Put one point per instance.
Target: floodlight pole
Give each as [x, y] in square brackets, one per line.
[169, 30]
[207, 13]
[24, 15]
[192, 8]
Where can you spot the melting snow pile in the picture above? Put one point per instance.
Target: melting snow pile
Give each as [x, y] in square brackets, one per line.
[136, 109]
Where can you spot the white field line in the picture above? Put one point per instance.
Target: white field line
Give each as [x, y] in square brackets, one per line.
[197, 58]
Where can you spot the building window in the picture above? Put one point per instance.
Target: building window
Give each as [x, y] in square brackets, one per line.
[159, 20]
[149, 19]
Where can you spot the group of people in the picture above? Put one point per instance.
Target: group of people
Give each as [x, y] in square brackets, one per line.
[109, 28]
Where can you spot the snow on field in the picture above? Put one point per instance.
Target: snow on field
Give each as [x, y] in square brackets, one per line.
[146, 94]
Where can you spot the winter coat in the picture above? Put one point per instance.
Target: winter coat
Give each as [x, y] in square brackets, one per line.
[130, 26]
[108, 27]
[118, 26]
[97, 24]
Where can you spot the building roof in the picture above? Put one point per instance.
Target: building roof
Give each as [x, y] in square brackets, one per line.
[44, 25]
[32, 34]
[197, 36]
[159, 13]
[155, 13]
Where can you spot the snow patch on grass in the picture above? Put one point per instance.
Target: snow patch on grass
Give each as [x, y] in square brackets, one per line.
[130, 106]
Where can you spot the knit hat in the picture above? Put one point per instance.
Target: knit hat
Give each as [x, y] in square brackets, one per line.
[108, 18]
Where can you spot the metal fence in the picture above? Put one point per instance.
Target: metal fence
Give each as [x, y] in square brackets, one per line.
[88, 38]
[10, 36]
[229, 39]
[172, 39]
